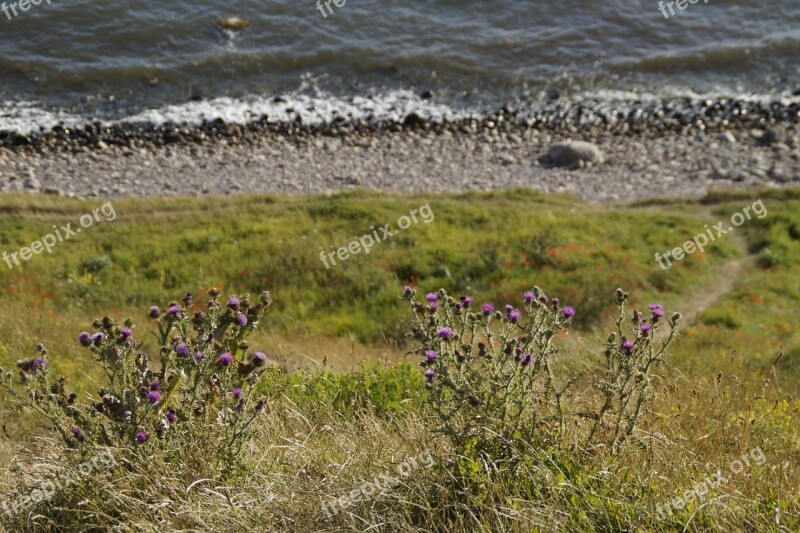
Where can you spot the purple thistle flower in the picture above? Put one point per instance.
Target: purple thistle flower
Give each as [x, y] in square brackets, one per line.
[154, 312]
[125, 333]
[526, 359]
[187, 299]
[445, 333]
[259, 359]
[429, 375]
[171, 416]
[434, 306]
[487, 309]
[467, 300]
[431, 356]
[260, 405]
[569, 312]
[555, 302]
[473, 401]
[543, 299]
[513, 315]
[182, 350]
[242, 320]
[39, 363]
[155, 385]
[657, 311]
[529, 296]
[174, 310]
[198, 355]
[154, 397]
[645, 329]
[237, 393]
[627, 345]
[85, 339]
[225, 359]
[141, 437]
[509, 308]
[98, 338]
[233, 302]
[432, 297]
[77, 433]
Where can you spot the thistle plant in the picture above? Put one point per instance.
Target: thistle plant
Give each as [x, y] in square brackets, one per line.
[202, 388]
[489, 373]
[491, 379]
[632, 352]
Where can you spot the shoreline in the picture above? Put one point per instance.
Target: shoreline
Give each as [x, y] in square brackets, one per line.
[674, 148]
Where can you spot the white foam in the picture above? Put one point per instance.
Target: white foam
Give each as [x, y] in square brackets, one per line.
[394, 105]
[28, 117]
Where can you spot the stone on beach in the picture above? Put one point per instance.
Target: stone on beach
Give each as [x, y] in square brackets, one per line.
[571, 152]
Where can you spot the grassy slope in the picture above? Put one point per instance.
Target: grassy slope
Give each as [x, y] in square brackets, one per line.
[493, 246]
[721, 397]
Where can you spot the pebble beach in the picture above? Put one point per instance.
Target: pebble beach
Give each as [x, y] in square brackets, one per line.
[647, 153]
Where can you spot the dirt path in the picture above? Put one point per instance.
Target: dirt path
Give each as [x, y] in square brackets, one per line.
[723, 281]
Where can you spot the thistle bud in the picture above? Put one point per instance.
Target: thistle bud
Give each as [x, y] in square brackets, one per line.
[266, 298]
[622, 297]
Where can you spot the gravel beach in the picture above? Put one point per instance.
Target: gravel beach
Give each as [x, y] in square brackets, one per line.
[680, 159]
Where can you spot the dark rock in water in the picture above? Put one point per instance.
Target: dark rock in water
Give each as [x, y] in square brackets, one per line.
[18, 139]
[426, 95]
[233, 24]
[172, 137]
[413, 120]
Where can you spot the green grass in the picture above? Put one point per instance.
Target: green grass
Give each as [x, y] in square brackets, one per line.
[493, 246]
